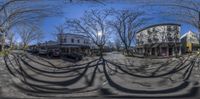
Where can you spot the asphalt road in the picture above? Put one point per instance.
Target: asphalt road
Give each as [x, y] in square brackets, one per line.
[113, 76]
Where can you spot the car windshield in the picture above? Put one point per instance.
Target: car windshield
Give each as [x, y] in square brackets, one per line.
[100, 48]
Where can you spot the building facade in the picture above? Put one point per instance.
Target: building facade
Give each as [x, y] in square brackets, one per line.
[73, 43]
[189, 42]
[48, 45]
[159, 40]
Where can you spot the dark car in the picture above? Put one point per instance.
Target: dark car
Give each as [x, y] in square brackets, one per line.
[29, 50]
[54, 53]
[73, 57]
[33, 51]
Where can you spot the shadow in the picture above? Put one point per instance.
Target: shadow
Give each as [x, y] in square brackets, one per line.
[177, 68]
[179, 87]
[82, 78]
[41, 88]
[104, 91]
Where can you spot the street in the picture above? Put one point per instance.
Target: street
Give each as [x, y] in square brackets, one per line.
[111, 76]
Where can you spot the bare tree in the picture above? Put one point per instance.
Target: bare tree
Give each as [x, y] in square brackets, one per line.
[60, 29]
[110, 46]
[17, 12]
[126, 25]
[117, 43]
[10, 37]
[40, 36]
[93, 24]
[29, 34]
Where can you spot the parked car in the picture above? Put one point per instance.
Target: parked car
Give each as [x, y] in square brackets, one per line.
[54, 53]
[33, 51]
[29, 50]
[73, 57]
[42, 52]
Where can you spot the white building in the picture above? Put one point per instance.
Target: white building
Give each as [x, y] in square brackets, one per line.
[72, 43]
[159, 40]
[189, 42]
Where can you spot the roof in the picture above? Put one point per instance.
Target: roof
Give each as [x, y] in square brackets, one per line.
[75, 34]
[73, 45]
[162, 24]
[184, 35]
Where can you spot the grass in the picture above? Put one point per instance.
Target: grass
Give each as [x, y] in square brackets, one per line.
[5, 52]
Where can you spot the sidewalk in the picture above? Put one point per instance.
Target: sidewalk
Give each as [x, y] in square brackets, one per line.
[155, 57]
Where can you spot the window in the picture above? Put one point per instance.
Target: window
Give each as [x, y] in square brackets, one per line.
[61, 40]
[78, 41]
[65, 40]
[169, 28]
[154, 29]
[72, 40]
[175, 28]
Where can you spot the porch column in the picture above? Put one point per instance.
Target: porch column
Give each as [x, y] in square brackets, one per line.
[180, 52]
[173, 51]
[167, 51]
[156, 51]
[150, 51]
[80, 50]
[160, 48]
[87, 51]
[69, 49]
[142, 50]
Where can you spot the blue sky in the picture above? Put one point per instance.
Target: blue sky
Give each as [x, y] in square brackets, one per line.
[76, 10]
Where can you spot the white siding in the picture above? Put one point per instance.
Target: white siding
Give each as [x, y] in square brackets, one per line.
[158, 34]
[82, 39]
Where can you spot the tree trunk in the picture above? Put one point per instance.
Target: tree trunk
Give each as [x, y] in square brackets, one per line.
[3, 42]
[126, 50]
[24, 46]
[101, 51]
[11, 46]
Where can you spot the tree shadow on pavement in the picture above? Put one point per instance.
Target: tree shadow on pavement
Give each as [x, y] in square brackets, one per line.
[40, 79]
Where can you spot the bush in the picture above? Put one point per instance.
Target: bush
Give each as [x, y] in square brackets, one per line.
[5, 52]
